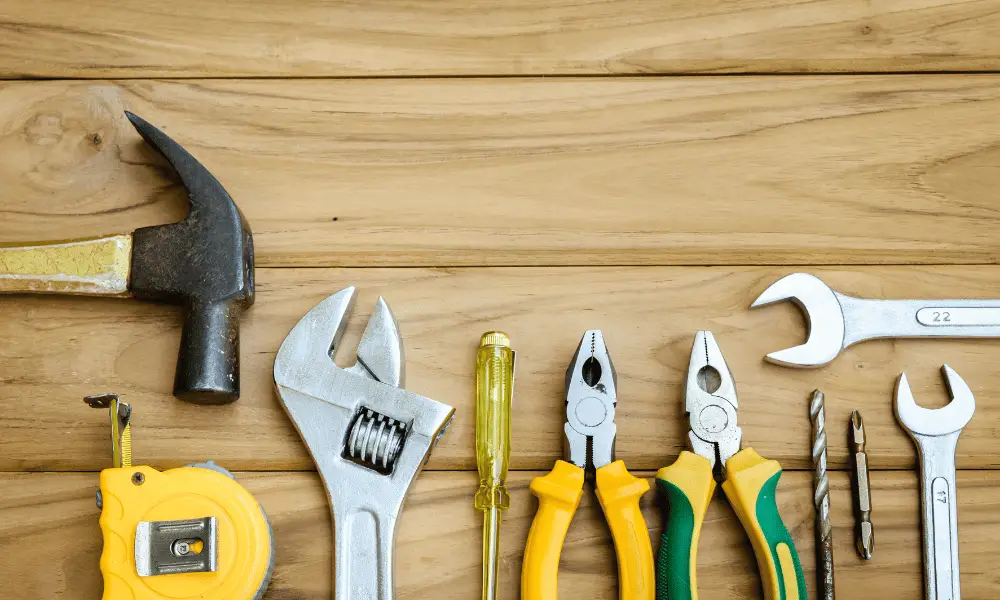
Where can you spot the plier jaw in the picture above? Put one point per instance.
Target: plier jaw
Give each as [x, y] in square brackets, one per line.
[591, 399]
[711, 404]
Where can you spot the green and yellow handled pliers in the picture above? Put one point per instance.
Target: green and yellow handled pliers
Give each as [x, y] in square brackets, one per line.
[748, 480]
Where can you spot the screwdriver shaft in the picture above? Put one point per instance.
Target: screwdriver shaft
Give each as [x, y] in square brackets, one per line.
[821, 498]
[864, 531]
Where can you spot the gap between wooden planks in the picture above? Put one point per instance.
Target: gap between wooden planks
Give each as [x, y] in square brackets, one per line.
[195, 38]
[570, 171]
[57, 350]
[51, 542]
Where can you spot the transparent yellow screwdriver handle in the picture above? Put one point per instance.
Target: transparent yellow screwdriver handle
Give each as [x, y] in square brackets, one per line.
[494, 391]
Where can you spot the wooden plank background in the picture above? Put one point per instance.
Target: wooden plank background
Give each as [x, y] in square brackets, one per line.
[646, 168]
[472, 172]
[296, 38]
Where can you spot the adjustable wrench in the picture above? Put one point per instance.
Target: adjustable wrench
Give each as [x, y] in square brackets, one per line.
[368, 437]
[837, 321]
[935, 433]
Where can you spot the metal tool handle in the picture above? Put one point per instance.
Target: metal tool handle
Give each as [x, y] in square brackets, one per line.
[939, 507]
[85, 267]
[870, 319]
[208, 363]
[363, 556]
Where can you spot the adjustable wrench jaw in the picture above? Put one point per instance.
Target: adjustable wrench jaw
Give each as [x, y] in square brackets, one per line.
[369, 438]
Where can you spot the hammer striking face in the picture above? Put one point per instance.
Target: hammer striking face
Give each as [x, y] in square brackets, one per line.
[203, 263]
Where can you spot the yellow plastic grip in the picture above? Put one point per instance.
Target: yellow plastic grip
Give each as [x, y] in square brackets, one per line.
[751, 482]
[619, 492]
[558, 494]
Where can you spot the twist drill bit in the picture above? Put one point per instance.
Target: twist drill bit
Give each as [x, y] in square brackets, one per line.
[494, 390]
[864, 531]
[821, 498]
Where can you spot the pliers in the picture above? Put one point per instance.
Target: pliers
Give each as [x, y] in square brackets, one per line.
[748, 480]
[591, 400]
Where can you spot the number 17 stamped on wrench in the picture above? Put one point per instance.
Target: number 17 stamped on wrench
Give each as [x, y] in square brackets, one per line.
[935, 433]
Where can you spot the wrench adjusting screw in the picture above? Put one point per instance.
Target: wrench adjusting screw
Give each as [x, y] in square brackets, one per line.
[375, 440]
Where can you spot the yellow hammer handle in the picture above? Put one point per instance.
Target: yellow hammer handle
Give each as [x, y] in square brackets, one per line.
[87, 267]
[558, 494]
[619, 493]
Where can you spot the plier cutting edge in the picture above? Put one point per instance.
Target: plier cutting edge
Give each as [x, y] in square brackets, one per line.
[591, 400]
[748, 480]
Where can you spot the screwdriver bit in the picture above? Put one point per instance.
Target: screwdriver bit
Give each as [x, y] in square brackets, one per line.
[864, 530]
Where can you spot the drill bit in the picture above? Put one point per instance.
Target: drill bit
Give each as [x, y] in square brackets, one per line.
[821, 498]
[864, 531]
[494, 390]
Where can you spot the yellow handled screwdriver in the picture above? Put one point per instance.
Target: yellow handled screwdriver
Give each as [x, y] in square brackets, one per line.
[494, 391]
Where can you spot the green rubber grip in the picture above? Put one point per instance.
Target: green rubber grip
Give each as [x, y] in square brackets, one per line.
[751, 487]
[673, 559]
[687, 486]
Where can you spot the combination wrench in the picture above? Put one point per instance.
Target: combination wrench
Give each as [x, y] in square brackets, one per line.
[935, 433]
[837, 321]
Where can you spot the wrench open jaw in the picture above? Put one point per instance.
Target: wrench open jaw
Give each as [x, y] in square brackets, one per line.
[824, 318]
[368, 437]
[935, 422]
[935, 433]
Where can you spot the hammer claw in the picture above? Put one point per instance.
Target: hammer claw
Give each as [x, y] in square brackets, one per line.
[204, 263]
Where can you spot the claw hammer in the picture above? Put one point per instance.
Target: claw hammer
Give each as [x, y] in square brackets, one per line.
[203, 263]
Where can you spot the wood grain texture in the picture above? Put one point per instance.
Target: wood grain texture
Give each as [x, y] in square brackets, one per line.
[132, 38]
[51, 542]
[57, 350]
[636, 171]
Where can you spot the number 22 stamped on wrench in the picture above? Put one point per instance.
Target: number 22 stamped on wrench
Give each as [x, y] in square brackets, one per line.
[935, 433]
[837, 321]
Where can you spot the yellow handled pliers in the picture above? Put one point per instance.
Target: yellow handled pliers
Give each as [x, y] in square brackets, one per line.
[591, 400]
[748, 480]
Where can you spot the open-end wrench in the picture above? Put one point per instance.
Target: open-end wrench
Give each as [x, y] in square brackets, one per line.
[368, 437]
[935, 433]
[837, 321]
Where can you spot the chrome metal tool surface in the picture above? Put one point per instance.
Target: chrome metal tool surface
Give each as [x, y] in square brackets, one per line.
[367, 435]
[935, 432]
[837, 321]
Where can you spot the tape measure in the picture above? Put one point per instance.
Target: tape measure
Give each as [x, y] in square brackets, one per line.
[186, 533]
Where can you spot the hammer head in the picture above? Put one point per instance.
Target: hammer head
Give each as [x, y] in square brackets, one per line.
[824, 316]
[203, 263]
